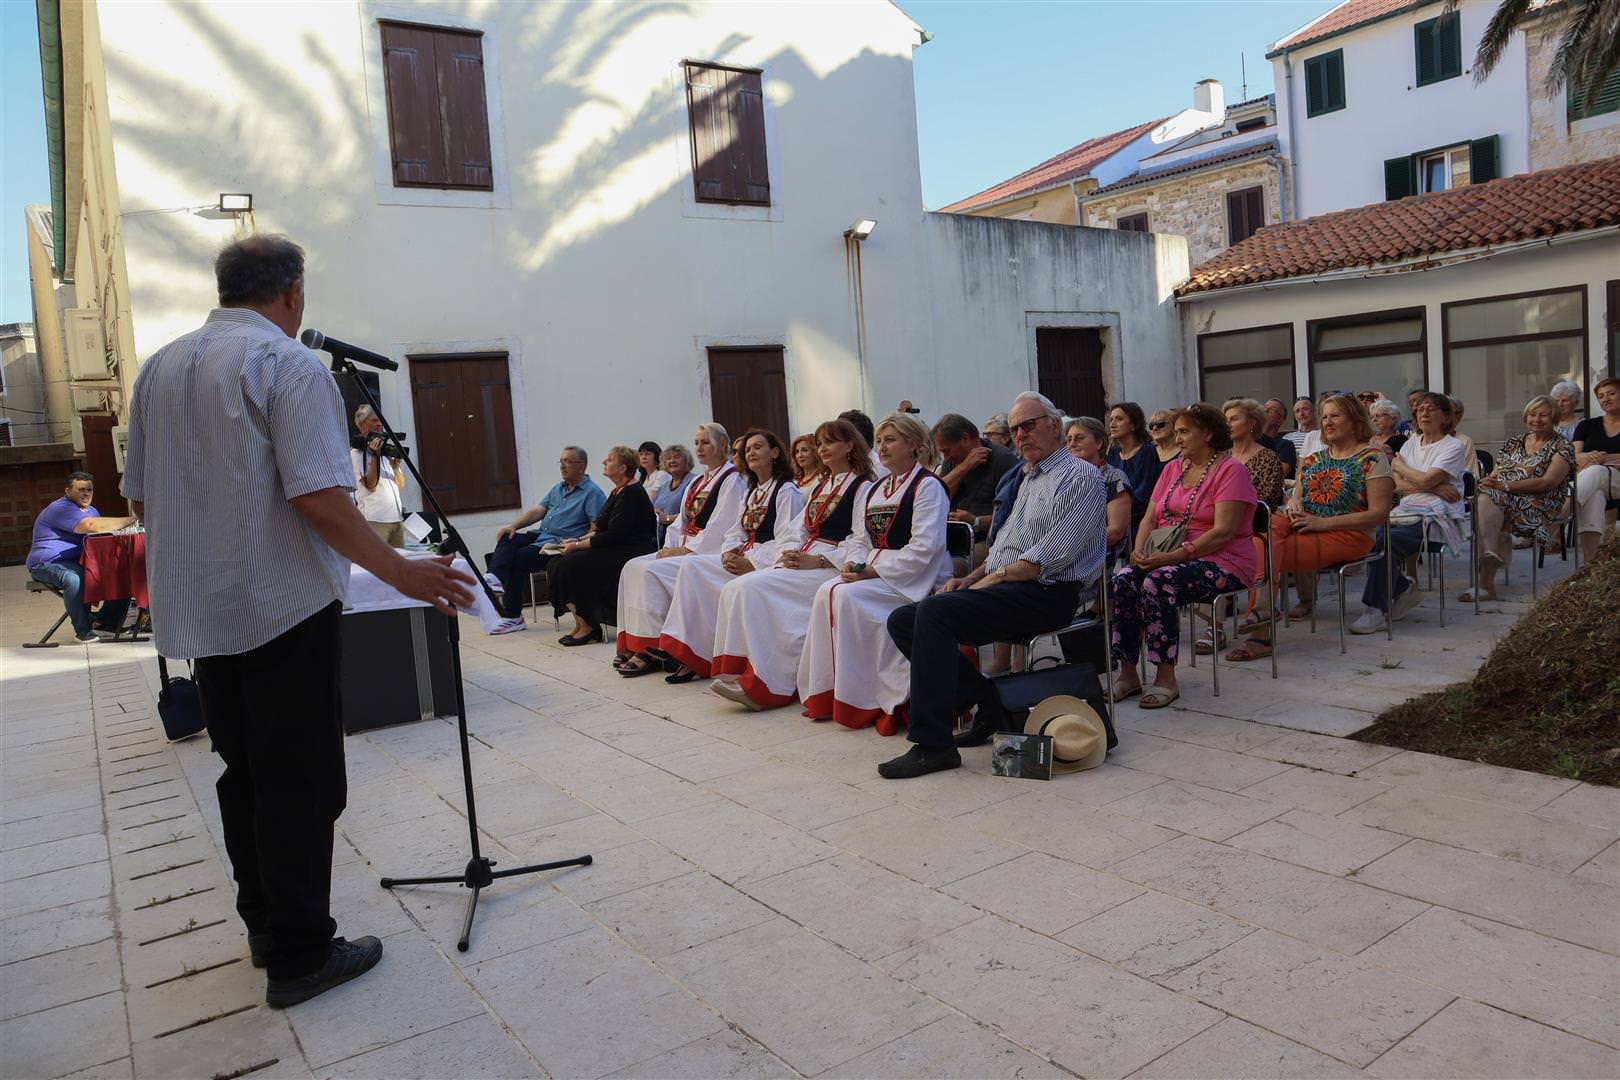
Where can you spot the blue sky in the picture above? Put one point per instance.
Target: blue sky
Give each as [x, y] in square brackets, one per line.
[1002, 86]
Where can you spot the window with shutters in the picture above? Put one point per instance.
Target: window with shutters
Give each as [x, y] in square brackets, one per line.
[1442, 168]
[1604, 98]
[464, 440]
[1324, 83]
[1245, 213]
[438, 118]
[1438, 43]
[1132, 222]
[726, 109]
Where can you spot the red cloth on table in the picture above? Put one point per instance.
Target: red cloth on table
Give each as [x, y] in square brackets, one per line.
[115, 568]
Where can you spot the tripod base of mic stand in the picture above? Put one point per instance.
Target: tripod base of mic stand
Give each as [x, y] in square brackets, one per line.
[479, 875]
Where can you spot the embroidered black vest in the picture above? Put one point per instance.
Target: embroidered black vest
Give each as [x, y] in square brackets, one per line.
[836, 526]
[759, 521]
[702, 503]
[890, 526]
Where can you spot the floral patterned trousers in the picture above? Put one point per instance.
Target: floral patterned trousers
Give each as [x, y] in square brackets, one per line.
[1145, 606]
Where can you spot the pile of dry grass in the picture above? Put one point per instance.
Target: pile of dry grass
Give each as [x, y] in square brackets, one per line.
[1547, 699]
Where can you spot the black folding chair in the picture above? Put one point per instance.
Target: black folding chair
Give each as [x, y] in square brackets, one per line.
[45, 641]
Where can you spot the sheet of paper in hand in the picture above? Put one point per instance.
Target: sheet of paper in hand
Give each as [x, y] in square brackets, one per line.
[1028, 757]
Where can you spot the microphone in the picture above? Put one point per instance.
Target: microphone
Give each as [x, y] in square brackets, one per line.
[342, 350]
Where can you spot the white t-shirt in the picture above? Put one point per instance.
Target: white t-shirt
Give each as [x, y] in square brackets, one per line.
[381, 504]
[1305, 443]
[1446, 453]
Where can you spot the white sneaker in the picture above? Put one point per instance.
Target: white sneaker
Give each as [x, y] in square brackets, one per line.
[731, 690]
[1406, 601]
[509, 626]
[93, 639]
[494, 583]
[1370, 621]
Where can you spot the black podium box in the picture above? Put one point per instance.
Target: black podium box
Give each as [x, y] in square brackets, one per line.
[396, 668]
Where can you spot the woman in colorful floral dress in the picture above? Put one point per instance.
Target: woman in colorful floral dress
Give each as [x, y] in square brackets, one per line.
[1524, 493]
[1343, 495]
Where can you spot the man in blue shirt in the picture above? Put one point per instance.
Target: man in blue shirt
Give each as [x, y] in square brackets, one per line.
[57, 555]
[565, 513]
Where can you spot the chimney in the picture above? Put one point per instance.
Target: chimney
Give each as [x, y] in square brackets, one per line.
[1209, 97]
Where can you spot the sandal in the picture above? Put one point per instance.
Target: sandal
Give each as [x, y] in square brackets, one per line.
[1300, 611]
[1208, 643]
[638, 665]
[1123, 692]
[1253, 649]
[684, 675]
[1467, 597]
[1157, 697]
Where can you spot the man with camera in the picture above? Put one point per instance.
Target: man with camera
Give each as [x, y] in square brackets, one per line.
[238, 414]
[378, 489]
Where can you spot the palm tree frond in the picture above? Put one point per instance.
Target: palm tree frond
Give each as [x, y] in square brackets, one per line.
[1499, 34]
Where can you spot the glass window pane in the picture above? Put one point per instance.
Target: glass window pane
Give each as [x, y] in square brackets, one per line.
[1494, 382]
[1249, 347]
[1509, 318]
[1394, 375]
[1434, 173]
[1259, 383]
[1366, 334]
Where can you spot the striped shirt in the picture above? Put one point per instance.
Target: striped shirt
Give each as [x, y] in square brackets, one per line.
[1058, 522]
[226, 425]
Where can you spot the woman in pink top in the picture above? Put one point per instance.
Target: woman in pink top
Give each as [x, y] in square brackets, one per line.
[1210, 491]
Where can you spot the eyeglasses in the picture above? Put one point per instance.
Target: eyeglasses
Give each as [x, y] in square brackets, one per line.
[1157, 424]
[1027, 427]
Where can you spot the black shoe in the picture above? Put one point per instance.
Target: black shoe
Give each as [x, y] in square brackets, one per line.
[592, 638]
[257, 944]
[347, 960]
[991, 717]
[920, 761]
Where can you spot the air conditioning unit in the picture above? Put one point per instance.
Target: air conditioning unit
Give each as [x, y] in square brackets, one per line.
[86, 345]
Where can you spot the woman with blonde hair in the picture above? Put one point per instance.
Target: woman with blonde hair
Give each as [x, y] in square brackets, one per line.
[712, 502]
[1161, 431]
[585, 577]
[850, 669]
[761, 617]
[1524, 493]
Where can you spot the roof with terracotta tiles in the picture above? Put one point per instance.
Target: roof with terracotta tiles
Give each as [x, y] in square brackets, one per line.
[1347, 16]
[1526, 207]
[1073, 163]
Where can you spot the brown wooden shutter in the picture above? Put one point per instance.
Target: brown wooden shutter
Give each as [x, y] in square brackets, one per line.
[415, 124]
[1245, 213]
[436, 401]
[465, 111]
[726, 111]
[490, 456]
[753, 177]
[1068, 363]
[706, 112]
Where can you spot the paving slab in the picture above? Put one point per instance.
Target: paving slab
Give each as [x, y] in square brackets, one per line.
[1469, 1041]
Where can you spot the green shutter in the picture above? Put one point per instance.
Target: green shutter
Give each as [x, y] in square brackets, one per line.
[1606, 99]
[1324, 83]
[1438, 44]
[1450, 36]
[1400, 177]
[1335, 76]
[1313, 87]
[1484, 159]
[1428, 60]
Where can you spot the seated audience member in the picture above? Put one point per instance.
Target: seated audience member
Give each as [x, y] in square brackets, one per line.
[1087, 439]
[1045, 556]
[806, 464]
[1597, 455]
[1133, 454]
[1305, 438]
[760, 622]
[995, 429]
[649, 459]
[850, 670]
[861, 422]
[1567, 395]
[667, 499]
[1162, 433]
[713, 501]
[771, 505]
[1273, 439]
[564, 514]
[1454, 427]
[1210, 493]
[972, 469]
[1344, 494]
[1409, 425]
[584, 579]
[56, 557]
[1386, 421]
[1524, 493]
[1245, 420]
[379, 480]
[1429, 481]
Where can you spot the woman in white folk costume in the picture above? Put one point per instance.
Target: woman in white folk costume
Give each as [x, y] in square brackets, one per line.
[850, 670]
[713, 501]
[769, 509]
[760, 623]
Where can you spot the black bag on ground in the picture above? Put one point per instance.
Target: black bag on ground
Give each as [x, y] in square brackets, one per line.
[179, 705]
[1024, 690]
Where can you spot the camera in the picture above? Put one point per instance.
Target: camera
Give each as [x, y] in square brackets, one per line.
[387, 449]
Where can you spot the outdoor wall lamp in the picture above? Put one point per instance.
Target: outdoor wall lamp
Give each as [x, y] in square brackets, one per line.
[235, 202]
[860, 230]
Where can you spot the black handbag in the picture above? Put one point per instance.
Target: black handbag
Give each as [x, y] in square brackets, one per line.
[1021, 692]
[179, 705]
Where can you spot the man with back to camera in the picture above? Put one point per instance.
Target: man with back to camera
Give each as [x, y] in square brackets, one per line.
[379, 479]
[239, 413]
[56, 556]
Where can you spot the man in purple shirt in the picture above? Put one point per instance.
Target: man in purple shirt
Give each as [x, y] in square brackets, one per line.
[57, 555]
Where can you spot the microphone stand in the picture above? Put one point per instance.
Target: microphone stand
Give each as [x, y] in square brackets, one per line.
[480, 872]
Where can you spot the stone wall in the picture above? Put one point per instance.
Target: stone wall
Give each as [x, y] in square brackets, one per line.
[1192, 206]
[1552, 140]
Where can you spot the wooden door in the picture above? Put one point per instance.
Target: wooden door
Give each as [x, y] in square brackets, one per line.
[99, 462]
[1068, 361]
[464, 442]
[748, 388]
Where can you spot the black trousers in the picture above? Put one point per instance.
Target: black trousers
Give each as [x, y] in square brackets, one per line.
[513, 560]
[931, 633]
[275, 718]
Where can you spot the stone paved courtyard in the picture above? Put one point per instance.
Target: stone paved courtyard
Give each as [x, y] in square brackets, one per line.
[1238, 891]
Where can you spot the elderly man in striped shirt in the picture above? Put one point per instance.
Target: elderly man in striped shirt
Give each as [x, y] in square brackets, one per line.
[238, 462]
[1046, 556]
